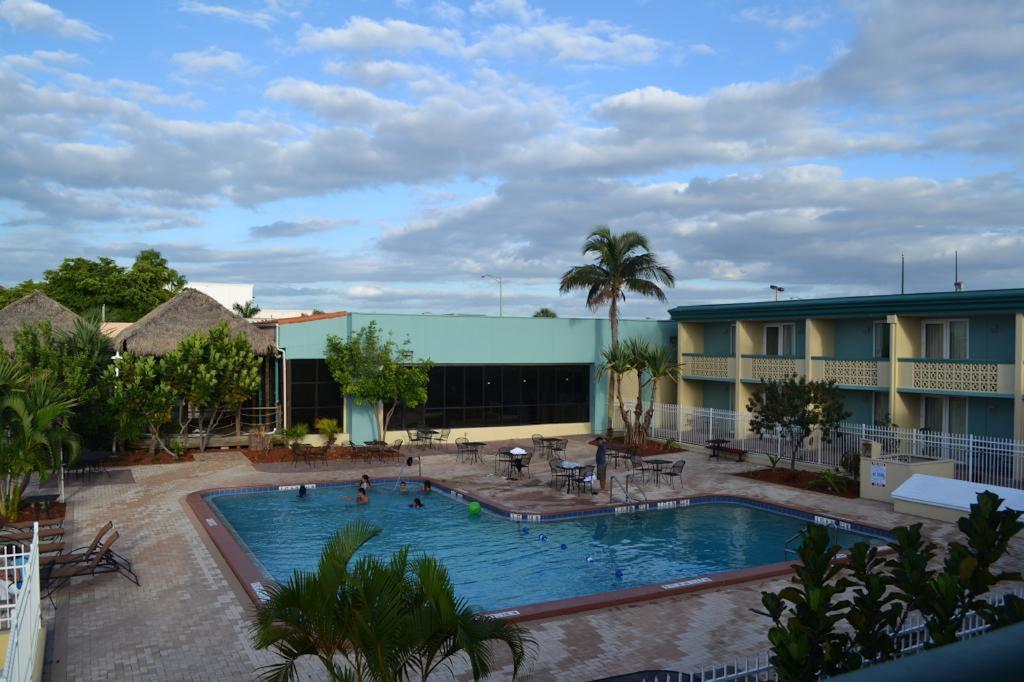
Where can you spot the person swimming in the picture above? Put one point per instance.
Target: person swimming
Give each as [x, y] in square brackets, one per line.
[302, 490]
[361, 496]
[403, 488]
[416, 504]
[426, 487]
[366, 482]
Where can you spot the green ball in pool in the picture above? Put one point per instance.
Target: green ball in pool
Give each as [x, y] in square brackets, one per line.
[474, 508]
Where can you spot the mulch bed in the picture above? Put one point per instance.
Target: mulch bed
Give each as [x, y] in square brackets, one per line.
[800, 479]
[140, 457]
[54, 510]
[651, 448]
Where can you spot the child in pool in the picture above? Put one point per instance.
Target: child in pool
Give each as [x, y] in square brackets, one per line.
[366, 482]
[426, 487]
[361, 496]
[403, 488]
[416, 504]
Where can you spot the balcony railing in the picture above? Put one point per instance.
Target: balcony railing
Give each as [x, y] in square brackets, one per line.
[757, 367]
[852, 372]
[708, 366]
[966, 376]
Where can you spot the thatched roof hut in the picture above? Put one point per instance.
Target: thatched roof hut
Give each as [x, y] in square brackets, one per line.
[36, 307]
[161, 330]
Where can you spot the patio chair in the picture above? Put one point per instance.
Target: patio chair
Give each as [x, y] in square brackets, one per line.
[393, 451]
[638, 465]
[461, 446]
[539, 446]
[618, 455]
[414, 437]
[441, 438]
[501, 457]
[585, 477]
[79, 554]
[558, 448]
[524, 465]
[675, 472]
[557, 472]
[303, 452]
[103, 561]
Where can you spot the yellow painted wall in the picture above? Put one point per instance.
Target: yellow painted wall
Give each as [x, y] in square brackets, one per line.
[495, 433]
[907, 410]
[1018, 377]
[820, 338]
[690, 337]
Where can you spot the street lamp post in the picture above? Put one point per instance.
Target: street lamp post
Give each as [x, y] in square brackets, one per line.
[501, 293]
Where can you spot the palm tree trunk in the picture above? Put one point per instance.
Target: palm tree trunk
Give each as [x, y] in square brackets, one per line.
[613, 321]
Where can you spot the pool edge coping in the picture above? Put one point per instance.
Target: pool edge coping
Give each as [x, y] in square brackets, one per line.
[252, 578]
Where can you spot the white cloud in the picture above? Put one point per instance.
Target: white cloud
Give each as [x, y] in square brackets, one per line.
[212, 60]
[263, 18]
[447, 12]
[774, 17]
[364, 292]
[37, 16]
[520, 10]
[363, 34]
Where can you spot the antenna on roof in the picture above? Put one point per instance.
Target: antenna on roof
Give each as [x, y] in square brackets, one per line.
[957, 284]
[903, 274]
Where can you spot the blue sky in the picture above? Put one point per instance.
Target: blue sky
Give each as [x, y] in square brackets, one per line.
[385, 155]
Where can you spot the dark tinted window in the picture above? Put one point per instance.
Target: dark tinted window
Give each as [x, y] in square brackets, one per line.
[314, 394]
[496, 395]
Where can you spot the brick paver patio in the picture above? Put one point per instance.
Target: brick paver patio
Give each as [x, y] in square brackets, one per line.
[189, 618]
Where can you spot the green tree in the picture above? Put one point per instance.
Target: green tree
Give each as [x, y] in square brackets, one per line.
[377, 371]
[247, 309]
[623, 264]
[650, 364]
[213, 374]
[139, 400]
[794, 408]
[545, 312]
[387, 620]
[35, 412]
[76, 360]
[87, 286]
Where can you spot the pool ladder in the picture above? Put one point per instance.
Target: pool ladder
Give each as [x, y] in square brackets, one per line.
[625, 489]
[787, 547]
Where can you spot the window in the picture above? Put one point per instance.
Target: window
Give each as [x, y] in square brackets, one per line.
[780, 339]
[881, 341]
[880, 409]
[944, 339]
[944, 414]
[314, 393]
[503, 395]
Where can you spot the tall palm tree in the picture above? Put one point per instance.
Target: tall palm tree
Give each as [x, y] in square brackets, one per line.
[623, 263]
[377, 620]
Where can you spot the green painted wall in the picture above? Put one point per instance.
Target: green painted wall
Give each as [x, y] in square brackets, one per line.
[716, 338]
[990, 417]
[467, 339]
[859, 404]
[717, 395]
[854, 338]
[991, 338]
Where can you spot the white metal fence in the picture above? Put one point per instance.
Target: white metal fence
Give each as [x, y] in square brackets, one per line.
[20, 613]
[995, 461]
[912, 637]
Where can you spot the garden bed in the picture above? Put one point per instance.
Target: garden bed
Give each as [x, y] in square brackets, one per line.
[651, 448]
[36, 512]
[283, 454]
[804, 480]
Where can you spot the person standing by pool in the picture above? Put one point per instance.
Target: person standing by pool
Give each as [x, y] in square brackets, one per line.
[601, 460]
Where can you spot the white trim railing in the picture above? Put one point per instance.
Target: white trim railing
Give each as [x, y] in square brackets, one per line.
[995, 461]
[21, 614]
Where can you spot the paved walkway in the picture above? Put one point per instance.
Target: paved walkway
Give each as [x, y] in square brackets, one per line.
[189, 618]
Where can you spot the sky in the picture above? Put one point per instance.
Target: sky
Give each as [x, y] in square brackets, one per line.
[384, 156]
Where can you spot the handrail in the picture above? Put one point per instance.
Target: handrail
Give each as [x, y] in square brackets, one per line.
[625, 489]
[787, 550]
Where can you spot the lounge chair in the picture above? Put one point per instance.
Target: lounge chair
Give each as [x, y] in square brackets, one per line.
[79, 554]
[17, 535]
[103, 561]
[675, 472]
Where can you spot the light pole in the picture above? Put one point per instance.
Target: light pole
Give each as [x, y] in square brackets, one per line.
[501, 293]
[776, 288]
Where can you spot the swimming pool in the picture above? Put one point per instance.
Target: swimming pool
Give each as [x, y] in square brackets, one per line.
[497, 563]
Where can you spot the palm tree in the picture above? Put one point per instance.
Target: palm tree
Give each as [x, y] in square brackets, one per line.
[34, 434]
[623, 263]
[247, 309]
[375, 619]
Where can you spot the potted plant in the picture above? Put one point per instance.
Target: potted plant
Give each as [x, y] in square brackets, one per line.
[329, 429]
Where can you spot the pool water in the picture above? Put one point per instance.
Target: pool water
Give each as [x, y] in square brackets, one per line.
[493, 563]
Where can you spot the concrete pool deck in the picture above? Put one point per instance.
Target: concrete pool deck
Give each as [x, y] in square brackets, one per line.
[189, 618]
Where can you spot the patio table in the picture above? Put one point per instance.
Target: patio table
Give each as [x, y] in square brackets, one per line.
[427, 435]
[572, 468]
[716, 445]
[656, 465]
